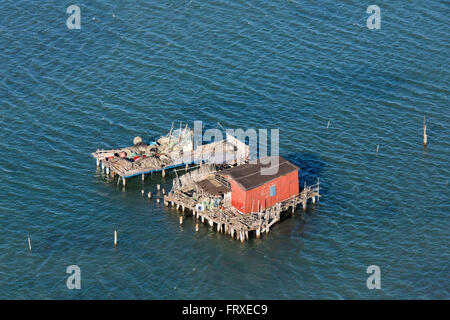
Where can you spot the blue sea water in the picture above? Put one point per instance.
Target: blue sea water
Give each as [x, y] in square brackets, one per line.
[293, 65]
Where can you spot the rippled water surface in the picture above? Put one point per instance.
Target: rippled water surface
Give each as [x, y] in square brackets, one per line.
[292, 65]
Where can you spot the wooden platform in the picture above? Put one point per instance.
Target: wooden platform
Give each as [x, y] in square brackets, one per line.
[227, 219]
[169, 152]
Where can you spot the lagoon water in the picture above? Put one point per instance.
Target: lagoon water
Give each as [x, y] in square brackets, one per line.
[292, 65]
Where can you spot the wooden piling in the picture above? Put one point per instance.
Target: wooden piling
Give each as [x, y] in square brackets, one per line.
[115, 238]
[149, 195]
[124, 181]
[425, 137]
[29, 242]
[163, 173]
[158, 200]
[196, 227]
[181, 220]
[142, 192]
[163, 191]
[143, 176]
[98, 162]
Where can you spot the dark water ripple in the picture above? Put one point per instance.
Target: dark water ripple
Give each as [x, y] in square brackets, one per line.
[285, 64]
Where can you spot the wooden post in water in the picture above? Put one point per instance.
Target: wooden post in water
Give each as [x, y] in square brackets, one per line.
[318, 190]
[142, 192]
[163, 191]
[196, 227]
[149, 195]
[157, 200]
[115, 238]
[143, 177]
[425, 137]
[29, 242]
[158, 186]
[98, 163]
[181, 220]
[163, 173]
[124, 181]
[258, 233]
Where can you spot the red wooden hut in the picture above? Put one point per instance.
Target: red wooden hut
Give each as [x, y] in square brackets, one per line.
[252, 187]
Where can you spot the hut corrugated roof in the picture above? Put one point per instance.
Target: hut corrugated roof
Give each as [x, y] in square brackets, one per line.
[259, 172]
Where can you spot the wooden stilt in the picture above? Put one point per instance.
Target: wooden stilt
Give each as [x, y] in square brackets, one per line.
[149, 195]
[181, 220]
[163, 173]
[143, 177]
[425, 137]
[196, 227]
[158, 186]
[115, 238]
[29, 242]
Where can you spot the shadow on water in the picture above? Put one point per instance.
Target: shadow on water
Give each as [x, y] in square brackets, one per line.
[310, 167]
